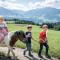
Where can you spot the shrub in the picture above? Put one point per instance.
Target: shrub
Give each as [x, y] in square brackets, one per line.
[57, 27]
[50, 25]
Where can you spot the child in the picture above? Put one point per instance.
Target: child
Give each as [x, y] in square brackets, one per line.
[3, 29]
[28, 40]
[43, 41]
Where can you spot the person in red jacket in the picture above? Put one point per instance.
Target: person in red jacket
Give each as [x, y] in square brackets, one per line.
[43, 41]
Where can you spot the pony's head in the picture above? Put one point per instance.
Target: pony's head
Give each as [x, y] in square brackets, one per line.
[20, 35]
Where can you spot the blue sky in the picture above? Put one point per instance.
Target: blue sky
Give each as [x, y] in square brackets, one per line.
[26, 5]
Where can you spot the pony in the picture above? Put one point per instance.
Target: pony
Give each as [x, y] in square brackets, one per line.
[11, 38]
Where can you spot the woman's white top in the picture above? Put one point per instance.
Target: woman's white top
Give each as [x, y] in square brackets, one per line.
[3, 24]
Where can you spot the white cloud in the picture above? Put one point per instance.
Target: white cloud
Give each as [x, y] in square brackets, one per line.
[18, 6]
[46, 3]
[53, 3]
[11, 5]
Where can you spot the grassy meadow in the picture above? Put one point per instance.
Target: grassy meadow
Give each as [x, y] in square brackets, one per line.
[53, 39]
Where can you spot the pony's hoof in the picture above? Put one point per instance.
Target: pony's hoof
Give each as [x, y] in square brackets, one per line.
[14, 58]
[9, 57]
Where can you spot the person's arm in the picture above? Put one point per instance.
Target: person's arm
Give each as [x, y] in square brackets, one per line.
[46, 39]
[42, 40]
[33, 39]
[6, 29]
[6, 26]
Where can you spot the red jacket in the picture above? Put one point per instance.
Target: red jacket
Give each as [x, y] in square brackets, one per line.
[42, 37]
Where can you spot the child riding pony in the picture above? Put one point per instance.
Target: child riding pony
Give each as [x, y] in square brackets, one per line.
[9, 38]
[3, 29]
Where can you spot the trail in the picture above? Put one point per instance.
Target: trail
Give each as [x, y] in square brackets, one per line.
[20, 56]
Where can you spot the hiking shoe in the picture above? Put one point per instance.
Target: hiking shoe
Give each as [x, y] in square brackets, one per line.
[30, 55]
[24, 53]
[48, 56]
[9, 57]
[40, 56]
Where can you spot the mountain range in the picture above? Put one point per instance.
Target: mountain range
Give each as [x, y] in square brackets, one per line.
[36, 15]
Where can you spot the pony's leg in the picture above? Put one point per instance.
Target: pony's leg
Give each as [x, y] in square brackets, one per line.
[8, 52]
[11, 50]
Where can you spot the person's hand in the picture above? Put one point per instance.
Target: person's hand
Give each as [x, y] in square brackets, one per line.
[45, 41]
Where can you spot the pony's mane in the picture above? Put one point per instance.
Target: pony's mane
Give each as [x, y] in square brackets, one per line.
[7, 38]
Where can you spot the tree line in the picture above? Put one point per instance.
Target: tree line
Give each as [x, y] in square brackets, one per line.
[55, 26]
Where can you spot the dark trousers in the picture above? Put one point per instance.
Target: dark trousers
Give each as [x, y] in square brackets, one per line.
[28, 45]
[41, 47]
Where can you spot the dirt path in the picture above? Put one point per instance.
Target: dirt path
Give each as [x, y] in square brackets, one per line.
[19, 54]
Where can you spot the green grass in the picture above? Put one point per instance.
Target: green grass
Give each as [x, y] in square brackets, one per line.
[53, 39]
